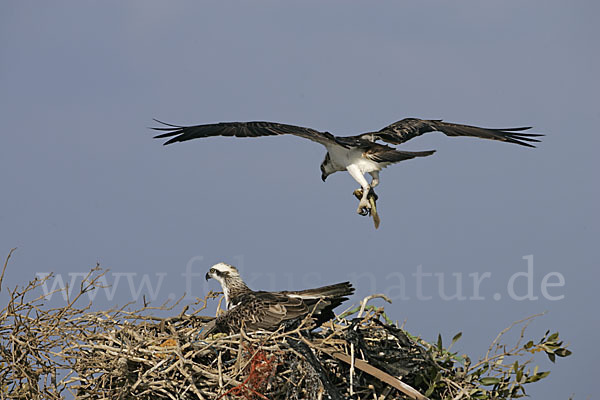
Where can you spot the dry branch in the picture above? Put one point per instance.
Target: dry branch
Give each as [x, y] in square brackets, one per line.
[50, 353]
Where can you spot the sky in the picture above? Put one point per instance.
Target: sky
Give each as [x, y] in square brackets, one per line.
[479, 235]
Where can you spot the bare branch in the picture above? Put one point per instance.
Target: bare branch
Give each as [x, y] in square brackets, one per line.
[5, 265]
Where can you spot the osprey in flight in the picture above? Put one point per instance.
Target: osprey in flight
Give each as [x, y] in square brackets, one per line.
[270, 310]
[356, 154]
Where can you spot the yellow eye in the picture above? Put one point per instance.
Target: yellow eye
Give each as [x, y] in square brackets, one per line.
[212, 271]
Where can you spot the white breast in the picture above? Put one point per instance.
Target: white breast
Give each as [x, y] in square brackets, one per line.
[367, 165]
[341, 158]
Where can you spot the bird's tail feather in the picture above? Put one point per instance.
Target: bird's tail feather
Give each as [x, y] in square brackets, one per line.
[336, 290]
[394, 156]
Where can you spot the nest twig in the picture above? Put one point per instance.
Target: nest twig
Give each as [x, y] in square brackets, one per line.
[119, 354]
[53, 353]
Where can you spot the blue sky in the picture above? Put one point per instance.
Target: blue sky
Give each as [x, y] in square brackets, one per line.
[82, 180]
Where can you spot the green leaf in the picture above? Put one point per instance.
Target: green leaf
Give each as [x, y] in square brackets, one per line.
[562, 352]
[552, 337]
[429, 390]
[439, 342]
[432, 385]
[456, 337]
[537, 377]
[489, 380]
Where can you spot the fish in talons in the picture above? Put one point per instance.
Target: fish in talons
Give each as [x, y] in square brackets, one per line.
[366, 211]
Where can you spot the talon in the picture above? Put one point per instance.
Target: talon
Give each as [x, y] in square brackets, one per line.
[364, 208]
[373, 194]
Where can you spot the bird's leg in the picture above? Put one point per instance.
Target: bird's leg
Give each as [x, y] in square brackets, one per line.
[375, 180]
[363, 206]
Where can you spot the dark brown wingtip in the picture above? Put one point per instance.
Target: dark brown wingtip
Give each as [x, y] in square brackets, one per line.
[175, 139]
[169, 134]
[166, 124]
[523, 139]
[169, 129]
[522, 128]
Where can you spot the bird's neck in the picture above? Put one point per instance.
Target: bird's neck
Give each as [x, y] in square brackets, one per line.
[232, 289]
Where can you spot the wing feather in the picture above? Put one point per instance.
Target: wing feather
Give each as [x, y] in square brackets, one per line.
[408, 128]
[387, 154]
[268, 310]
[240, 129]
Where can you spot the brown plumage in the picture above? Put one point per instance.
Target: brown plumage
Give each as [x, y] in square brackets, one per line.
[260, 310]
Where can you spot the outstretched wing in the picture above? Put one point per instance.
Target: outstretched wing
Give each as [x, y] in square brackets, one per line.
[408, 128]
[240, 129]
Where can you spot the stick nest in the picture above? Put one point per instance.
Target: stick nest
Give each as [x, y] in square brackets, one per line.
[50, 353]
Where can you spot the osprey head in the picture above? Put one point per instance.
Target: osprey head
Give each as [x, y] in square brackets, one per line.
[326, 167]
[229, 278]
[222, 271]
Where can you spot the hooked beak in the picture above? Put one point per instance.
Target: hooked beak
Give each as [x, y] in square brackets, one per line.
[207, 276]
[323, 176]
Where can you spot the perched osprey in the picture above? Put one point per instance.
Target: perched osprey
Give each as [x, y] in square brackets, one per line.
[356, 154]
[269, 310]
